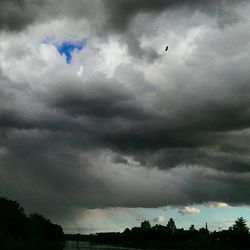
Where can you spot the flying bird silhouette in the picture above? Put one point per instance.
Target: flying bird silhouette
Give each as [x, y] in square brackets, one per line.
[166, 48]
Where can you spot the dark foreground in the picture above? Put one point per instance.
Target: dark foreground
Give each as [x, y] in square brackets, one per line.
[70, 245]
[21, 232]
[84, 245]
[34, 232]
[171, 237]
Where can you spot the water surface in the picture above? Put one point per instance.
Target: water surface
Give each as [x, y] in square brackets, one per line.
[70, 245]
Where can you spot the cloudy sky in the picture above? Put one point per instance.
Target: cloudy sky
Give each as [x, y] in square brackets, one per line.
[100, 128]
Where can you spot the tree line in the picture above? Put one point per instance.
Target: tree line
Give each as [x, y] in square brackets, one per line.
[169, 236]
[34, 232]
[21, 232]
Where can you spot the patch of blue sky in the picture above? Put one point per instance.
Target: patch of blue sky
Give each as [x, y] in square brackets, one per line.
[66, 48]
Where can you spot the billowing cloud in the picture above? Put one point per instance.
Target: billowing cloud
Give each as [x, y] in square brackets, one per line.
[122, 11]
[189, 210]
[125, 124]
[15, 15]
[159, 219]
[217, 204]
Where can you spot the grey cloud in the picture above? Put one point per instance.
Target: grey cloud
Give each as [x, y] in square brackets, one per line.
[192, 124]
[196, 131]
[188, 135]
[119, 159]
[115, 16]
[135, 49]
[104, 100]
[14, 14]
[229, 162]
[41, 161]
[228, 185]
[123, 11]
[122, 14]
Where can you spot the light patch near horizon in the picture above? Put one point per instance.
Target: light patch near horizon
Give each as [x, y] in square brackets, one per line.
[118, 219]
[189, 210]
[218, 204]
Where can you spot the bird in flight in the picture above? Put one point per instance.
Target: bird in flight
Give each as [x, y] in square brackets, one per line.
[166, 48]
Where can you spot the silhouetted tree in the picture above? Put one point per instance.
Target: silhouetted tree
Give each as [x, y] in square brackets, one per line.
[240, 232]
[145, 225]
[12, 219]
[192, 228]
[193, 234]
[43, 229]
[127, 231]
[19, 232]
[171, 227]
[170, 237]
[240, 226]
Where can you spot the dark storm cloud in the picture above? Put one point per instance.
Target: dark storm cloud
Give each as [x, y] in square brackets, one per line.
[135, 49]
[9, 115]
[48, 162]
[232, 187]
[163, 143]
[187, 135]
[60, 181]
[196, 132]
[15, 15]
[229, 162]
[43, 167]
[121, 16]
[192, 121]
[123, 11]
[18, 14]
[10, 119]
[104, 100]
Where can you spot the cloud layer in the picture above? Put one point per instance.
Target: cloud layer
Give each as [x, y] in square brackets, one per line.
[137, 127]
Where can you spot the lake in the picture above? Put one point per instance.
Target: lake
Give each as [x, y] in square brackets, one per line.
[70, 245]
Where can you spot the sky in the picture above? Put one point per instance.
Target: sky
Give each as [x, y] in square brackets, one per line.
[100, 128]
